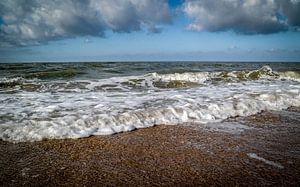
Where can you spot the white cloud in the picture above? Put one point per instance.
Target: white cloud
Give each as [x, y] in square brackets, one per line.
[29, 22]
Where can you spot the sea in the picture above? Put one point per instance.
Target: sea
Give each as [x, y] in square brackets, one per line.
[79, 99]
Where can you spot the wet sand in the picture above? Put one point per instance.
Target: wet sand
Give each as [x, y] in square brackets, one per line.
[260, 150]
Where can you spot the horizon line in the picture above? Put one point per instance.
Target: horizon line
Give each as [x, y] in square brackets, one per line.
[116, 61]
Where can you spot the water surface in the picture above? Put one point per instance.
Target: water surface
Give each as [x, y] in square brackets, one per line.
[73, 100]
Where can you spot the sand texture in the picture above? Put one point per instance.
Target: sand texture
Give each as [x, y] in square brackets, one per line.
[260, 150]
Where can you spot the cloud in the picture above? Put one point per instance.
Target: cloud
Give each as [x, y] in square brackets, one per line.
[31, 22]
[291, 10]
[243, 16]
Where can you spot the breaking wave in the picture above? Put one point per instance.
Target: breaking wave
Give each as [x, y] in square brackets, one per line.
[42, 109]
[150, 80]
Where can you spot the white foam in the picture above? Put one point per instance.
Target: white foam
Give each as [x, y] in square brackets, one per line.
[290, 75]
[255, 156]
[199, 77]
[49, 113]
[228, 127]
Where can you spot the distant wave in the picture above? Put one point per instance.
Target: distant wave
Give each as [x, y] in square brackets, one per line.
[150, 80]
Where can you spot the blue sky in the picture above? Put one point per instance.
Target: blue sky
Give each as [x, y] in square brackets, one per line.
[184, 34]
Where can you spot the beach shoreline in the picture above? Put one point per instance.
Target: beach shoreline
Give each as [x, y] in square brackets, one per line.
[262, 150]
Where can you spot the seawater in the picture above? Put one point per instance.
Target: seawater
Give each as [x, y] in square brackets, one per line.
[73, 100]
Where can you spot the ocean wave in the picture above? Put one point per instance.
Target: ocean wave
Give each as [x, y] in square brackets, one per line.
[37, 116]
[19, 83]
[191, 79]
[206, 77]
[34, 109]
[50, 74]
[147, 81]
[291, 75]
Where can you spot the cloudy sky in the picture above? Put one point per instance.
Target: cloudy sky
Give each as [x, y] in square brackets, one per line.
[116, 30]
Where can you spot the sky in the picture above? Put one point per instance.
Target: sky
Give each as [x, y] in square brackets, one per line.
[149, 30]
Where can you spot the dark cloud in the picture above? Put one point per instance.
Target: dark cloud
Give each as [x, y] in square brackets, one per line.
[291, 10]
[243, 16]
[31, 22]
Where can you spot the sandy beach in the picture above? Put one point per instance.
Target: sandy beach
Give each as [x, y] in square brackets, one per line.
[260, 150]
[149, 93]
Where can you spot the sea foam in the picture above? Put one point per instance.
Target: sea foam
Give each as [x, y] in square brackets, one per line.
[73, 109]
